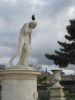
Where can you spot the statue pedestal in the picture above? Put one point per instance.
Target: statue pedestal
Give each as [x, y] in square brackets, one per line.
[57, 93]
[19, 84]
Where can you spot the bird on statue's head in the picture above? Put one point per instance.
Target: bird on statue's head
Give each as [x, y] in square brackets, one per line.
[33, 23]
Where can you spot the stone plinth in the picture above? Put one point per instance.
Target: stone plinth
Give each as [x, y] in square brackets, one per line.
[19, 84]
[57, 93]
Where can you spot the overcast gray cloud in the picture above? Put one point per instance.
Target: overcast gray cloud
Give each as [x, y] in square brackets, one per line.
[52, 17]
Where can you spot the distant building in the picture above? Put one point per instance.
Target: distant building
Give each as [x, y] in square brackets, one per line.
[68, 82]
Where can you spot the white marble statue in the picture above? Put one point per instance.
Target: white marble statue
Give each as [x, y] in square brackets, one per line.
[24, 43]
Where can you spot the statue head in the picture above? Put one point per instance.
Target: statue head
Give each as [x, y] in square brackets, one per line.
[33, 23]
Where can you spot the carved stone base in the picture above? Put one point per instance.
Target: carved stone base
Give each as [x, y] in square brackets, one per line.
[19, 84]
[57, 93]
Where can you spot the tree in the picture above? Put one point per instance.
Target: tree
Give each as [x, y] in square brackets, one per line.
[66, 54]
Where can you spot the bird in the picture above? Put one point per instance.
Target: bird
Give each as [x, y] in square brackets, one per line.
[33, 17]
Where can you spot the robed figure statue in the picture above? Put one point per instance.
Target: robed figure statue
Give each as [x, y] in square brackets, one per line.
[24, 43]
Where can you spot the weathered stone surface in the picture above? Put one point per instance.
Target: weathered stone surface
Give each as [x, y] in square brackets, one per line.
[19, 84]
[57, 94]
[57, 90]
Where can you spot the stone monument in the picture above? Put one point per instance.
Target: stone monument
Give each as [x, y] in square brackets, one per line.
[19, 82]
[24, 43]
[57, 90]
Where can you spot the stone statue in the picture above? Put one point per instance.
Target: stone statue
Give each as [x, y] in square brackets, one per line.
[24, 43]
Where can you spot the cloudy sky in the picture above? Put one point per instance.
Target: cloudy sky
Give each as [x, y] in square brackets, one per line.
[52, 17]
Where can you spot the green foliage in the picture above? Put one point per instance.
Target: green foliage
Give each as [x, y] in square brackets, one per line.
[43, 95]
[69, 96]
[66, 54]
[44, 79]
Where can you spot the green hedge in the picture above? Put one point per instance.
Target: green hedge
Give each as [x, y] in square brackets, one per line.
[69, 96]
[43, 95]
